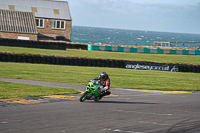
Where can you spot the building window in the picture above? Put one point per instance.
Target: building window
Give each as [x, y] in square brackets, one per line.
[58, 24]
[39, 22]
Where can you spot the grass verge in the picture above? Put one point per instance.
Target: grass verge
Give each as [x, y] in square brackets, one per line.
[160, 58]
[120, 78]
[16, 90]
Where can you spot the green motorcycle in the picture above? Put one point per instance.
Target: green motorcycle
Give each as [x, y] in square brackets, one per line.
[93, 91]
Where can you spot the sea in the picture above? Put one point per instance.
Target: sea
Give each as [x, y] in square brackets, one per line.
[94, 35]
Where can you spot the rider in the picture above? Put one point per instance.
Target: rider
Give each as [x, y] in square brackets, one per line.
[105, 81]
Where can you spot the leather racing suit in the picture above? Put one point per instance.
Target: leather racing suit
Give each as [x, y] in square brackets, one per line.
[106, 85]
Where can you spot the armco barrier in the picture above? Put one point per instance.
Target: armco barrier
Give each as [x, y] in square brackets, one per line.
[8, 57]
[143, 50]
[40, 44]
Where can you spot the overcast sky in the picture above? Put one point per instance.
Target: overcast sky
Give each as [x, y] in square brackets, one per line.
[182, 16]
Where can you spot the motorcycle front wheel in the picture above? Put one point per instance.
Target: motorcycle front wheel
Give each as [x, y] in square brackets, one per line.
[84, 96]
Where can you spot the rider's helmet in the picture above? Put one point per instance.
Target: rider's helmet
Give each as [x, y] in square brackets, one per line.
[103, 76]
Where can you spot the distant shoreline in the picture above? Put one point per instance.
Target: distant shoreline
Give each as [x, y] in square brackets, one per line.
[109, 36]
[135, 30]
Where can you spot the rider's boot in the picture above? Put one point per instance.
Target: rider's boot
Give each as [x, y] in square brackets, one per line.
[108, 92]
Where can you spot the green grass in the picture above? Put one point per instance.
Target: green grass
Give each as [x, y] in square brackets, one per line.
[162, 58]
[15, 90]
[120, 78]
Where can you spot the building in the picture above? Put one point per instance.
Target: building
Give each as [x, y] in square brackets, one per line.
[17, 25]
[35, 20]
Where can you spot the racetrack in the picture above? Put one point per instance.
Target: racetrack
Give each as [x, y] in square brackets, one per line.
[134, 111]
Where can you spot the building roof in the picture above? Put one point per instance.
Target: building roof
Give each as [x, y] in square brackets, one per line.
[15, 21]
[41, 8]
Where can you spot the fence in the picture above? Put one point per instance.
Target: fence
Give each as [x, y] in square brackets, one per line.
[177, 44]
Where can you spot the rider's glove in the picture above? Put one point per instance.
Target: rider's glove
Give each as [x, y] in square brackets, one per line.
[105, 88]
[102, 89]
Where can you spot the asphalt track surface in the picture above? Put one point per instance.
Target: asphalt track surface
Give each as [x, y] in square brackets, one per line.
[133, 111]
